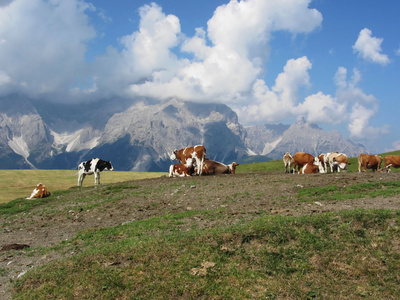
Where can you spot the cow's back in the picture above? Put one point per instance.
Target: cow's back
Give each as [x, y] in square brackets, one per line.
[214, 167]
[303, 158]
[392, 160]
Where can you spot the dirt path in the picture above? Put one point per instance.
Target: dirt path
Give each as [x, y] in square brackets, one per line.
[242, 195]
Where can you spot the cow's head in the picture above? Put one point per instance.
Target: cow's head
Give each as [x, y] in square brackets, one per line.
[109, 166]
[173, 155]
[232, 167]
[318, 163]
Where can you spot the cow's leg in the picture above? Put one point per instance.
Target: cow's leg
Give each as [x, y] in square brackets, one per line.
[80, 178]
[97, 178]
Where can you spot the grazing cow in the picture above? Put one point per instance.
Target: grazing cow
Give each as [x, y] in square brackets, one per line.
[93, 166]
[40, 191]
[287, 161]
[196, 152]
[338, 161]
[300, 159]
[391, 161]
[369, 161]
[211, 167]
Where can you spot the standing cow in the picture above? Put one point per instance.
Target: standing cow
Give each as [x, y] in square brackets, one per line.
[369, 161]
[300, 159]
[93, 166]
[287, 161]
[338, 161]
[198, 153]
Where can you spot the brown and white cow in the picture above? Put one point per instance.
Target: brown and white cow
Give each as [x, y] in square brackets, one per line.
[310, 168]
[287, 161]
[300, 159]
[196, 152]
[338, 161]
[324, 163]
[391, 161]
[369, 161]
[211, 167]
[180, 170]
[40, 191]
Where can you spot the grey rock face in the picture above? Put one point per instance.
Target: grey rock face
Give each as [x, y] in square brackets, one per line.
[141, 136]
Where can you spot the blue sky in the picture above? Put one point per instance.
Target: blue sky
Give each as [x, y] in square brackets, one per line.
[333, 63]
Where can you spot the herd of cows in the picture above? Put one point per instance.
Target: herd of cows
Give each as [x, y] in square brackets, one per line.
[193, 161]
[305, 163]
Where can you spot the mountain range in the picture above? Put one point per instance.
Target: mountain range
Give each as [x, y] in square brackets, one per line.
[140, 136]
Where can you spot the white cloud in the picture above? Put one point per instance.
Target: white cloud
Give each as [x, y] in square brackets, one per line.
[272, 105]
[369, 47]
[395, 146]
[320, 108]
[226, 70]
[43, 44]
[362, 106]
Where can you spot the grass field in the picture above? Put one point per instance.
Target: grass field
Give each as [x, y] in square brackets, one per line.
[230, 247]
[16, 184]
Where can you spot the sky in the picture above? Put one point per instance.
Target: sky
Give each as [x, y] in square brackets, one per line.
[332, 63]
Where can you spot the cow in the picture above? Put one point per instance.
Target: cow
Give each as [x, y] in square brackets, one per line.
[40, 191]
[324, 159]
[287, 162]
[196, 152]
[300, 159]
[182, 170]
[310, 168]
[391, 161]
[338, 161]
[232, 167]
[211, 167]
[369, 161]
[93, 166]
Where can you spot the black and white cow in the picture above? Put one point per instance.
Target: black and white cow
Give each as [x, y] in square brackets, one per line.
[93, 166]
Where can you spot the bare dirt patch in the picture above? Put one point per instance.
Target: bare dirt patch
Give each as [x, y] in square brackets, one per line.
[241, 196]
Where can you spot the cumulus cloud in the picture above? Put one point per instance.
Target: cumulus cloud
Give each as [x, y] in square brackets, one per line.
[43, 44]
[395, 146]
[362, 106]
[369, 47]
[229, 56]
[276, 103]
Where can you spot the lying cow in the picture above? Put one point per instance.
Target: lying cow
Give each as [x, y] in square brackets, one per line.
[93, 166]
[369, 161]
[287, 161]
[196, 152]
[391, 161]
[40, 191]
[338, 161]
[212, 167]
[182, 170]
[310, 168]
[300, 159]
